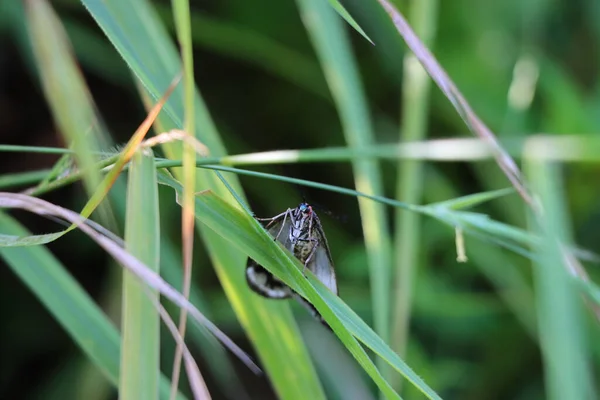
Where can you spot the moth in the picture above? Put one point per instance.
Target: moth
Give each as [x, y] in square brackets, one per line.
[300, 231]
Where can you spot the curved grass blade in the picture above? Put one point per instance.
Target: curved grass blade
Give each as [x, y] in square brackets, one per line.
[246, 234]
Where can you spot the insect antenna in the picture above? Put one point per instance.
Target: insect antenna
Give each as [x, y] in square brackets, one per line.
[322, 209]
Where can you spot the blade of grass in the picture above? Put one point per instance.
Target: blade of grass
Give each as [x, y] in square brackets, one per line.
[560, 317]
[333, 48]
[472, 200]
[22, 178]
[410, 177]
[473, 223]
[341, 10]
[181, 12]
[67, 94]
[140, 364]
[63, 85]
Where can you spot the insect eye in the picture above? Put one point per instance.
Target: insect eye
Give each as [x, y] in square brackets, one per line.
[303, 207]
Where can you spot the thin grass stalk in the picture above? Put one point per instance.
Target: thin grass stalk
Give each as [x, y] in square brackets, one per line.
[181, 11]
[409, 187]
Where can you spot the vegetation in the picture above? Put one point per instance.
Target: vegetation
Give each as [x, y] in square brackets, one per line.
[452, 167]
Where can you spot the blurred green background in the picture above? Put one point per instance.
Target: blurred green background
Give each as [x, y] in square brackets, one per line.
[525, 67]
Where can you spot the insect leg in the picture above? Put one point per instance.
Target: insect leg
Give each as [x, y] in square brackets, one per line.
[283, 223]
[272, 219]
[275, 219]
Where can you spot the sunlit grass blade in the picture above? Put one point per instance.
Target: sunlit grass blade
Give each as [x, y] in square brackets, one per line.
[140, 356]
[568, 148]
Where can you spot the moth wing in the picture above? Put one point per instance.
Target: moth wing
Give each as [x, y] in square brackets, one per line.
[321, 264]
[280, 230]
[265, 283]
[322, 267]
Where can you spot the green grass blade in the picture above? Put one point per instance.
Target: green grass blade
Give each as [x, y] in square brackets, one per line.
[410, 176]
[473, 200]
[336, 58]
[560, 316]
[22, 178]
[140, 358]
[341, 10]
[66, 91]
[246, 234]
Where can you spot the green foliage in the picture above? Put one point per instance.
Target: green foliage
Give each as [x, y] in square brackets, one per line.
[518, 319]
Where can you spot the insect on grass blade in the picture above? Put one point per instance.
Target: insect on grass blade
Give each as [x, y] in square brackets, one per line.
[299, 230]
